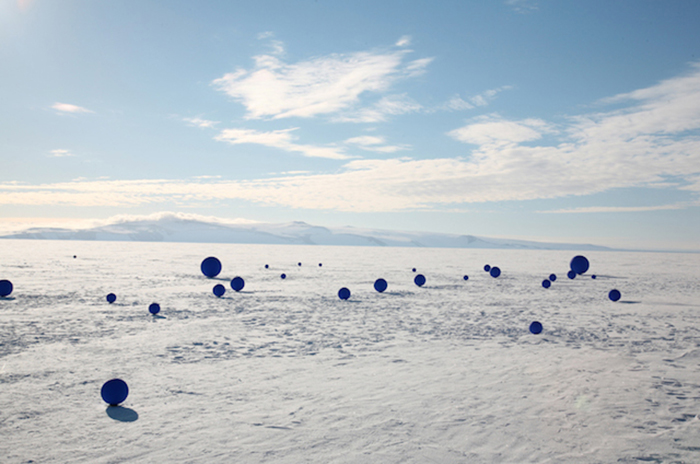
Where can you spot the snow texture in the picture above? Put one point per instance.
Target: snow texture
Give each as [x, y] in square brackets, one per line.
[286, 372]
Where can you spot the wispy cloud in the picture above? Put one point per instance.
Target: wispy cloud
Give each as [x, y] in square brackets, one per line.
[651, 142]
[375, 144]
[199, 122]
[522, 6]
[404, 41]
[283, 139]
[457, 103]
[620, 209]
[392, 105]
[60, 153]
[322, 85]
[68, 108]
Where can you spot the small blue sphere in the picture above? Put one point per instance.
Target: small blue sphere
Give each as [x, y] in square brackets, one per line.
[414, 269]
[579, 264]
[593, 276]
[211, 267]
[237, 283]
[267, 266]
[283, 276]
[487, 268]
[219, 290]
[571, 275]
[495, 272]
[299, 264]
[419, 280]
[536, 328]
[552, 277]
[111, 298]
[114, 391]
[380, 285]
[546, 283]
[466, 277]
[614, 295]
[154, 308]
[343, 293]
[5, 288]
[320, 264]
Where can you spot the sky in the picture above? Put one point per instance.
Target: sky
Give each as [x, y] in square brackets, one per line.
[539, 120]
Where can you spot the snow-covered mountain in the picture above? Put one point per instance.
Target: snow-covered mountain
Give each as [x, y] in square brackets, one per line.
[173, 227]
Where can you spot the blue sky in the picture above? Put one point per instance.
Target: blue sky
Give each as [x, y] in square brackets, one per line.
[561, 121]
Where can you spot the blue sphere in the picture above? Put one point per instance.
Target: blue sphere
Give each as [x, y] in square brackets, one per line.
[267, 266]
[593, 276]
[299, 264]
[154, 308]
[552, 277]
[579, 264]
[419, 280]
[495, 272]
[487, 268]
[320, 264]
[536, 328]
[466, 277]
[546, 283]
[211, 267]
[219, 290]
[414, 269]
[237, 283]
[343, 293]
[614, 295]
[5, 287]
[283, 276]
[571, 275]
[114, 391]
[111, 298]
[380, 285]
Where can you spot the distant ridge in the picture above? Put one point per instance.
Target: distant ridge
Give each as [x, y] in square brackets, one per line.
[172, 227]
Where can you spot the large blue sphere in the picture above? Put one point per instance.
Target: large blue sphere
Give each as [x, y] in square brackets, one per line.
[237, 283]
[495, 271]
[343, 293]
[380, 285]
[419, 280]
[211, 267]
[219, 290]
[571, 275]
[579, 264]
[114, 391]
[5, 287]
[614, 295]
[536, 328]
[154, 308]
[111, 298]
[546, 283]
[552, 277]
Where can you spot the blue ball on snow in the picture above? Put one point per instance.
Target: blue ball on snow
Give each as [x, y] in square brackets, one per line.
[579, 264]
[111, 298]
[219, 290]
[114, 391]
[343, 293]
[380, 285]
[283, 276]
[552, 277]
[536, 327]
[546, 283]
[571, 275]
[154, 308]
[211, 267]
[5, 288]
[466, 277]
[487, 268]
[495, 271]
[237, 283]
[419, 280]
[614, 295]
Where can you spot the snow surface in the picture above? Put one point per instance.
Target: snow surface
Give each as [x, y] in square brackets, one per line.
[177, 227]
[285, 372]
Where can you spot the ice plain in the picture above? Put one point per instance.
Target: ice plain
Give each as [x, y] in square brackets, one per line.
[286, 372]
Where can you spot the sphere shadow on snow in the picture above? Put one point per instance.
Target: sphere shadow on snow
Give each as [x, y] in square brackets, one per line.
[122, 414]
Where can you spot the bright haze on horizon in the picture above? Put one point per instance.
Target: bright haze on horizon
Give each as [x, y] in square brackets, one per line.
[534, 120]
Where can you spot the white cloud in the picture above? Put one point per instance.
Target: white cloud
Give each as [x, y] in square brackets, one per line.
[375, 144]
[282, 139]
[404, 41]
[60, 153]
[650, 143]
[68, 108]
[392, 105]
[522, 6]
[199, 122]
[492, 130]
[457, 103]
[323, 85]
[620, 209]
